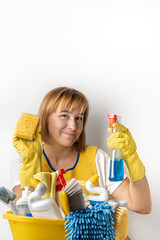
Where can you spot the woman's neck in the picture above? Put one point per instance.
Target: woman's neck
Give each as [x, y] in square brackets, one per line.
[60, 157]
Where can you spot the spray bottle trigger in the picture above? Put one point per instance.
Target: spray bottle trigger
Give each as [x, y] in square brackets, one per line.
[112, 119]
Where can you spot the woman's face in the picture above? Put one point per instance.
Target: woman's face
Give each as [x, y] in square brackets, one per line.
[65, 126]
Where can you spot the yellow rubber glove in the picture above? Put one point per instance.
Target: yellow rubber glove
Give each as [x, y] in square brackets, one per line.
[31, 152]
[122, 139]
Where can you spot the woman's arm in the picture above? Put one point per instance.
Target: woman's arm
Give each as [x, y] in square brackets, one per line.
[135, 189]
[18, 191]
[136, 193]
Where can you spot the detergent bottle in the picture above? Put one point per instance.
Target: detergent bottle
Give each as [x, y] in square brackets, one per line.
[116, 161]
[43, 207]
[22, 203]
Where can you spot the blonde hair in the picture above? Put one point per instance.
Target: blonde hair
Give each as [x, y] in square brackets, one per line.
[67, 97]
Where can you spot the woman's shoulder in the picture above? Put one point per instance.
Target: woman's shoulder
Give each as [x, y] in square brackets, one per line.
[99, 151]
[102, 152]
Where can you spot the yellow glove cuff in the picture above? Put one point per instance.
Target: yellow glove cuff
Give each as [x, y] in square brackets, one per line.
[135, 167]
[26, 173]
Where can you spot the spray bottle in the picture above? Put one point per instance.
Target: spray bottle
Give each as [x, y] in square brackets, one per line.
[116, 162]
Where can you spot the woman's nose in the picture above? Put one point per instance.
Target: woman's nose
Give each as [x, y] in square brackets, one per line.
[72, 124]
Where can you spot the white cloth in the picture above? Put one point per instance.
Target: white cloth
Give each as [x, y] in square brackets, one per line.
[102, 164]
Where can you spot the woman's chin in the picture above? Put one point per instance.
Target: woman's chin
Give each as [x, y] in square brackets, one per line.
[68, 143]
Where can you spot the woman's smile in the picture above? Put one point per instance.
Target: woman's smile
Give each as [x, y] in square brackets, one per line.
[69, 134]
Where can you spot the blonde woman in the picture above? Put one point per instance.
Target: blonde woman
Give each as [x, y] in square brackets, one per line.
[63, 114]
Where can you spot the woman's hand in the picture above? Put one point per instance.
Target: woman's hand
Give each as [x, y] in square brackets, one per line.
[122, 139]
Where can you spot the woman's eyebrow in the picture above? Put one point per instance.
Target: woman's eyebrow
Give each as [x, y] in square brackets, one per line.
[66, 111]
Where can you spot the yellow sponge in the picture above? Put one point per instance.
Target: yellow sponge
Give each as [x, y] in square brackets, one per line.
[26, 126]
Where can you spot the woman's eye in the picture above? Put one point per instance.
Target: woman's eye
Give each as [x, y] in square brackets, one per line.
[79, 118]
[64, 116]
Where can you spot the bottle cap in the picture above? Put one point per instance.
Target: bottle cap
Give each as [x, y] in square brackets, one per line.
[23, 199]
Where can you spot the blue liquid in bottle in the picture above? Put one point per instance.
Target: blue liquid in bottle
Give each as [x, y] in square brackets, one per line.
[116, 170]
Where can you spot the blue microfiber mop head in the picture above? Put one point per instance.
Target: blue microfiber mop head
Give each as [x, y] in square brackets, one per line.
[94, 223]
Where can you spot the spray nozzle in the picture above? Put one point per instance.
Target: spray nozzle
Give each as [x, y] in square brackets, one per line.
[112, 119]
[26, 192]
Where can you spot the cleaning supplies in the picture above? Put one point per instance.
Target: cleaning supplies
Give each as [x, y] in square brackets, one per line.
[124, 141]
[101, 191]
[120, 211]
[22, 203]
[7, 197]
[43, 208]
[49, 180]
[64, 202]
[116, 163]
[94, 223]
[60, 183]
[121, 222]
[75, 196]
[117, 203]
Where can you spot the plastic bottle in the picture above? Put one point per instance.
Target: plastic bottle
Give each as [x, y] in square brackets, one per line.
[116, 162]
[22, 203]
[43, 208]
[101, 193]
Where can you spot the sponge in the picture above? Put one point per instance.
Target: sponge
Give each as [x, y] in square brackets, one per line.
[26, 126]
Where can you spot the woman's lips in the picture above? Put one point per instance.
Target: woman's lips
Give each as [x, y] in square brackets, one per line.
[69, 134]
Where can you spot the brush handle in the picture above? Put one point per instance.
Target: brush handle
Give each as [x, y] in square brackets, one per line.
[64, 202]
[13, 207]
[118, 202]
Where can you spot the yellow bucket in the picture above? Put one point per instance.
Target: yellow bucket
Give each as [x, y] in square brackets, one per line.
[35, 228]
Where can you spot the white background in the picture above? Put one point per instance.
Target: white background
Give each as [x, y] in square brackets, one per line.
[109, 50]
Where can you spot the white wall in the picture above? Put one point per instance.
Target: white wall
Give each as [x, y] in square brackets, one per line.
[107, 49]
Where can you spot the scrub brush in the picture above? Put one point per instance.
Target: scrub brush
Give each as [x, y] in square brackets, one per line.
[65, 202]
[121, 217]
[121, 223]
[7, 197]
[71, 197]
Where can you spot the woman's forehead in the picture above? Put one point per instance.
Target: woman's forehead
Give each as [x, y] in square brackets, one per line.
[70, 108]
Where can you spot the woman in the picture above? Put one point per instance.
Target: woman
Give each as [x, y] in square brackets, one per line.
[63, 115]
